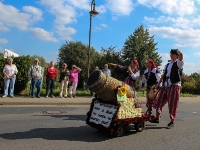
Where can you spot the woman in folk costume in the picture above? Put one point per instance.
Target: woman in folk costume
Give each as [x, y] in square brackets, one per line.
[132, 72]
[151, 77]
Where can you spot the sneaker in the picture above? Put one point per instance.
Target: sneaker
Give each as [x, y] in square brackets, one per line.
[4, 96]
[38, 96]
[65, 96]
[46, 96]
[11, 96]
[156, 120]
[52, 96]
[170, 125]
[60, 96]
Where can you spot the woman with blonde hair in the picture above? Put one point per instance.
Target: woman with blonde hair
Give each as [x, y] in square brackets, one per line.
[64, 79]
[10, 71]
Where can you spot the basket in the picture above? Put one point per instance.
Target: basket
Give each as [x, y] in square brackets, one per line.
[105, 86]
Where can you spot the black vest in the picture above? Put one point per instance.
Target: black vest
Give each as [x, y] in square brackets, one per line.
[174, 75]
[151, 79]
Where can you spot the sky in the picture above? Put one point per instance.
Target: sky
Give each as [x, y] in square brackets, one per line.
[41, 27]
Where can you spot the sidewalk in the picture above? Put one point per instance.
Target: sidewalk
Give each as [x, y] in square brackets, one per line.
[25, 100]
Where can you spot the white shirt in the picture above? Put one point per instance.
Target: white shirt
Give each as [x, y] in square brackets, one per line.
[169, 67]
[10, 70]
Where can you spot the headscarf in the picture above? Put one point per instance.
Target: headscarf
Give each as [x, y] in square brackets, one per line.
[153, 65]
[136, 63]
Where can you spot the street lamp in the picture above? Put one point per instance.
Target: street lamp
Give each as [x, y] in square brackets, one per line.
[93, 13]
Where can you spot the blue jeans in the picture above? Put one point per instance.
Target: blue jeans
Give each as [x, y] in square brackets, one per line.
[9, 82]
[50, 85]
[36, 83]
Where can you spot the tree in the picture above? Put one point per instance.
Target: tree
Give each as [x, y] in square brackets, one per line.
[141, 46]
[77, 53]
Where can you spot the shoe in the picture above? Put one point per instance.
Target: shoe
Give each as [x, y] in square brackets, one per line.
[52, 96]
[170, 125]
[156, 120]
[74, 96]
[38, 96]
[71, 96]
[65, 96]
[32, 96]
[4, 96]
[11, 96]
[46, 96]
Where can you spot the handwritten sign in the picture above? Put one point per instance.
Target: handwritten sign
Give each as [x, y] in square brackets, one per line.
[102, 113]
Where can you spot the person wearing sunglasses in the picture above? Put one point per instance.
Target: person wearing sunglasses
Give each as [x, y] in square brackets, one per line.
[171, 85]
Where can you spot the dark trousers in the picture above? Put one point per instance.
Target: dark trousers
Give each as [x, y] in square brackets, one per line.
[50, 86]
[36, 83]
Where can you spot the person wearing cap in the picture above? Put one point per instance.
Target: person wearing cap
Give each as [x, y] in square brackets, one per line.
[106, 70]
[132, 72]
[171, 85]
[10, 71]
[150, 77]
[51, 73]
[35, 74]
[64, 79]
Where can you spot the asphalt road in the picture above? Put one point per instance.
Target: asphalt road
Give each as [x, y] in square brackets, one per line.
[64, 128]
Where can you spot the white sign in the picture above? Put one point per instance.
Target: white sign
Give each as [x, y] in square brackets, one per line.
[102, 113]
[9, 53]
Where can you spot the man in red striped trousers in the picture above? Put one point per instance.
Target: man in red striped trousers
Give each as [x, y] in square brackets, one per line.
[171, 85]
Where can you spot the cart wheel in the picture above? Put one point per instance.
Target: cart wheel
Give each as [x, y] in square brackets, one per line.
[139, 126]
[119, 130]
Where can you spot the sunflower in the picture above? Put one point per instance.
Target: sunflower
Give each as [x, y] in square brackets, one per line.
[122, 90]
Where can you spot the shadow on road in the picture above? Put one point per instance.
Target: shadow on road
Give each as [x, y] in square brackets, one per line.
[82, 133]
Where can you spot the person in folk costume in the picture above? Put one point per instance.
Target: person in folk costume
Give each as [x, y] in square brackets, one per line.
[151, 77]
[171, 84]
[132, 71]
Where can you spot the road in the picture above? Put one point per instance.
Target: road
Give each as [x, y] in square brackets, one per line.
[64, 128]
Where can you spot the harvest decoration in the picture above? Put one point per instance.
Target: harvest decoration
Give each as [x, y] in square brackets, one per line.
[122, 90]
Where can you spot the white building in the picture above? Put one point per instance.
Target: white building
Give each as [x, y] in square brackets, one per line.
[9, 53]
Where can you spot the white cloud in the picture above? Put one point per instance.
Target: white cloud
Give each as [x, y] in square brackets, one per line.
[65, 32]
[189, 68]
[104, 25]
[3, 27]
[42, 34]
[34, 12]
[3, 41]
[197, 54]
[189, 37]
[114, 18]
[181, 22]
[120, 7]
[172, 7]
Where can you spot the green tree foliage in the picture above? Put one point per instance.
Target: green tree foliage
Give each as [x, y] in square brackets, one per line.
[109, 55]
[77, 53]
[141, 46]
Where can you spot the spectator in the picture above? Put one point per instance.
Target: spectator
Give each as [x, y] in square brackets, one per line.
[10, 71]
[64, 79]
[106, 70]
[73, 78]
[35, 74]
[51, 74]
